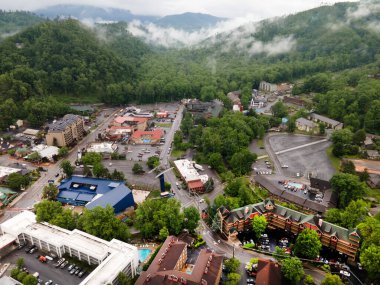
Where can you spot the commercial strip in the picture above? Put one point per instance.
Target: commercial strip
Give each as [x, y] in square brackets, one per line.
[111, 257]
[170, 266]
[194, 181]
[91, 192]
[332, 236]
[65, 131]
[147, 137]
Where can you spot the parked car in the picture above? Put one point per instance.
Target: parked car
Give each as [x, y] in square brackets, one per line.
[77, 271]
[33, 250]
[64, 264]
[71, 266]
[80, 274]
[21, 245]
[74, 270]
[49, 282]
[29, 248]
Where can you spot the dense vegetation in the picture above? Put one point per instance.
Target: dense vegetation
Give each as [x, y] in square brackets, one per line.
[106, 63]
[13, 22]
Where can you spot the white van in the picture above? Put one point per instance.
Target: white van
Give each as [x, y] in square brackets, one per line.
[36, 274]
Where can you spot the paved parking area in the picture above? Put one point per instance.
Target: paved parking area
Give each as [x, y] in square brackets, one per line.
[303, 161]
[46, 270]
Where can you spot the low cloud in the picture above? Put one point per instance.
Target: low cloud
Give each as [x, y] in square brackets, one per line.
[374, 26]
[364, 9]
[278, 45]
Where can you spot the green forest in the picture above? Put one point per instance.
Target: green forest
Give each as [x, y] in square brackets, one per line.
[54, 62]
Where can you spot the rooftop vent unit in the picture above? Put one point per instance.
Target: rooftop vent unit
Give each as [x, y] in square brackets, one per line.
[75, 185]
[92, 187]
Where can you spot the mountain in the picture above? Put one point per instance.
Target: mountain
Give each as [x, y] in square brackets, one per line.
[13, 22]
[83, 12]
[189, 21]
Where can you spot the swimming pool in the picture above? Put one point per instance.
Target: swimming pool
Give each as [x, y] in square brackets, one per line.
[296, 185]
[144, 253]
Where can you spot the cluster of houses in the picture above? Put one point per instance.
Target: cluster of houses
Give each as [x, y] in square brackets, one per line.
[311, 124]
[203, 109]
[133, 127]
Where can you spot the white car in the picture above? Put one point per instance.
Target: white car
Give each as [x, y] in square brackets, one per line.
[285, 166]
[345, 273]
[201, 200]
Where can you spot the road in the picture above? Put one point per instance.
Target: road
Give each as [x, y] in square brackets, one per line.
[32, 195]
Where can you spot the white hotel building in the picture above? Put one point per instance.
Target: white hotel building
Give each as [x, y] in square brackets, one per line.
[111, 257]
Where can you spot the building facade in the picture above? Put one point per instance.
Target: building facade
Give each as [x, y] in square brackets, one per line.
[334, 237]
[66, 131]
[111, 257]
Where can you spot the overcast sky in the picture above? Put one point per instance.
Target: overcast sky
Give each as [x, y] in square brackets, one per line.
[222, 8]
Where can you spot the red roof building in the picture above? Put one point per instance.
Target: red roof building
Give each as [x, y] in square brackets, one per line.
[137, 123]
[147, 137]
[196, 186]
[268, 273]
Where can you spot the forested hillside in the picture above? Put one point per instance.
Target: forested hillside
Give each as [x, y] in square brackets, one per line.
[13, 22]
[331, 48]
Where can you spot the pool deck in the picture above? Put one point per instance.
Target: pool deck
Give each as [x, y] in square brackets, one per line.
[151, 246]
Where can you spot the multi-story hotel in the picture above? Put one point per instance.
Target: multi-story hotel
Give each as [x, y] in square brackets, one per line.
[332, 236]
[65, 131]
[170, 266]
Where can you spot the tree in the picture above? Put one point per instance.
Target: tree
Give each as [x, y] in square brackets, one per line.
[168, 186]
[232, 265]
[21, 275]
[124, 279]
[191, 218]
[279, 253]
[359, 137]
[154, 214]
[370, 258]
[279, 110]
[308, 280]
[186, 124]
[117, 175]
[50, 192]
[29, 280]
[348, 187]
[20, 262]
[216, 162]
[291, 125]
[63, 151]
[348, 166]
[137, 168]
[332, 279]
[259, 225]
[99, 170]
[164, 233]
[16, 181]
[47, 210]
[67, 168]
[209, 185]
[34, 157]
[322, 130]
[308, 244]
[292, 269]
[153, 162]
[66, 220]
[101, 222]
[233, 278]
[354, 213]
[91, 158]
[241, 162]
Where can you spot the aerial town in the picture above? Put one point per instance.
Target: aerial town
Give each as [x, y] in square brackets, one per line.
[125, 158]
[160, 149]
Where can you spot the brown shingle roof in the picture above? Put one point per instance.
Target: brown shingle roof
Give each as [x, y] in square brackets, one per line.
[268, 273]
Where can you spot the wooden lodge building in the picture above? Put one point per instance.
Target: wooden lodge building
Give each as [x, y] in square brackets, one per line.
[332, 236]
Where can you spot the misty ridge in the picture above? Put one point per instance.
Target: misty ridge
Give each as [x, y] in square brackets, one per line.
[240, 34]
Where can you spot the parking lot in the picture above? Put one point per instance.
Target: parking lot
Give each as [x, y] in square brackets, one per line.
[303, 161]
[46, 271]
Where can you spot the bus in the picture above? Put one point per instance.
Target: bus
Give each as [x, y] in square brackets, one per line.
[166, 194]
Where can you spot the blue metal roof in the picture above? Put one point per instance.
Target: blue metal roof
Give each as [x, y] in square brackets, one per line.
[67, 195]
[85, 197]
[84, 189]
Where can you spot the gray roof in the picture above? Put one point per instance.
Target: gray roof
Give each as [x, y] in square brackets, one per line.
[325, 119]
[63, 123]
[301, 218]
[305, 122]
[374, 153]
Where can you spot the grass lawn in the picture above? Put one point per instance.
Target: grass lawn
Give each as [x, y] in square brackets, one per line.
[374, 193]
[177, 153]
[335, 161]
[163, 125]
